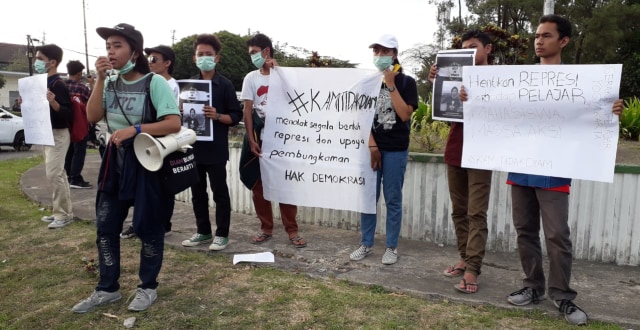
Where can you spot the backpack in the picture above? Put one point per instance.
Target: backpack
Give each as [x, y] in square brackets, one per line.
[79, 126]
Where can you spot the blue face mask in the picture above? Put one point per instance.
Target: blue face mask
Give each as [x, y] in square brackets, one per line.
[206, 63]
[40, 66]
[258, 60]
[382, 62]
[126, 68]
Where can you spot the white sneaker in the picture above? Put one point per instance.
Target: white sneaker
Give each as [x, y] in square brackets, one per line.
[219, 243]
[59, 223]
[360, 253]
[144, 298]
[97, 298]
[47, 218]
[390, 256]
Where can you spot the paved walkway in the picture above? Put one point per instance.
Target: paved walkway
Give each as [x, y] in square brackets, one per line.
[605, 291]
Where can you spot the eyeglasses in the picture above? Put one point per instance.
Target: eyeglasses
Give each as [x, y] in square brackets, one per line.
[153, 59]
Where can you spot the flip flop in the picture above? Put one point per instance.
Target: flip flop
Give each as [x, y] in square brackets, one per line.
[453, 271]
[259, 239]
[464, 288]
[298, 241]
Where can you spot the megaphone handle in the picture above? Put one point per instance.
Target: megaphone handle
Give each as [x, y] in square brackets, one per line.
[160, 142]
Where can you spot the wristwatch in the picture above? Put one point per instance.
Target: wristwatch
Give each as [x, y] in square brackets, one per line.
[391, 89]
[138, 128]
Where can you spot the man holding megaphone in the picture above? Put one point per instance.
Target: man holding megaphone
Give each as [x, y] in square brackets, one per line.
[126, 100]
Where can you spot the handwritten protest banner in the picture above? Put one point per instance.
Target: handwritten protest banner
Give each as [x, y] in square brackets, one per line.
[315, 144]
[35, 110]
[553, 120]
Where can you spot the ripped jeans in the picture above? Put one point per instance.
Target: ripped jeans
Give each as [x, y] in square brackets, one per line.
[148, 219]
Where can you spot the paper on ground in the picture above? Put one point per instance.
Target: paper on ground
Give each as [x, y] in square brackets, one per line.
[254, 257]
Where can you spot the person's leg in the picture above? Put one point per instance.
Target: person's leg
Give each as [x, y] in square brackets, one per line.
[263, 209]
[218, 178]
[479, 189]
[288, 214]
[368, 220]
[77, 161]
[54, 167]
[526, 221]
[67, 161]
[149, 213]
[110, 215]
[554, 206]
[458, 192]
[200, 200]
[394, 165]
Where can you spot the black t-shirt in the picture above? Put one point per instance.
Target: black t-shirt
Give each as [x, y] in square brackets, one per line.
[388, 130]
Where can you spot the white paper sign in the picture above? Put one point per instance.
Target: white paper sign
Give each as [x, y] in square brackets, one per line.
[553, 120]
[254, 257]
[35, 110]
[315, 143]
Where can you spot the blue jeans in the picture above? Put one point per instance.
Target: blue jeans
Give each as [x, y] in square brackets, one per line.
[391, 177]
[148, 217]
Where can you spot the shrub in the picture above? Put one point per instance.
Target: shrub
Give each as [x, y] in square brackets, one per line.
[427, 135]
[630, 120]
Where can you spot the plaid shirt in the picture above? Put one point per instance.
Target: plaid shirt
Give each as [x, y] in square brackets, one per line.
[80, 89]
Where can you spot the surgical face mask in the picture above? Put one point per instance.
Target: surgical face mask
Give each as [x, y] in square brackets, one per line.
[382, 62]
[40, 66]
[206, 63]
[127, 67]
[257, 60]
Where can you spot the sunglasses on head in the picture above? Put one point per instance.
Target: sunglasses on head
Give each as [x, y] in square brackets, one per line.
[153, 59]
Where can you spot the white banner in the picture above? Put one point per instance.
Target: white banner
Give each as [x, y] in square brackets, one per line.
[315, 143]
[553, 120]
[35, 110]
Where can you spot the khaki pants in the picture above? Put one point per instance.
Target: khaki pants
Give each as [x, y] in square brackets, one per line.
[469, 191]
[54, 168]
[265, 213]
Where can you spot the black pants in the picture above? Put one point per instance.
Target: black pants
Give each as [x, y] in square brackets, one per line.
[200, 199]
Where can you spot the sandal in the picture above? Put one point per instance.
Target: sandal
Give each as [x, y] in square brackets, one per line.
[465, 287]
[453, 271]
[259, 239]
[298, 241]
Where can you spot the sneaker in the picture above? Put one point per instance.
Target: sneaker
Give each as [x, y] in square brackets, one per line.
[80, 185]
[572, 313]
[197, 239]
[129, 233]
[390, 256]
[144, 298]
[59, 223]
[219, 243]
[360, 253]
[525, 296]
[47, 218]
[97, 298]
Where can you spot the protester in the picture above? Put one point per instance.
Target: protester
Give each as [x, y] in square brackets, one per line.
[469, 188]
[48, 57]
[545, 199]
[212, 156]
[161, 61]
[123, 182]
[255, 89]
[74, 161]
[389, 146]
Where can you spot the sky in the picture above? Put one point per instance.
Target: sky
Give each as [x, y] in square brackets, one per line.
[342, 29]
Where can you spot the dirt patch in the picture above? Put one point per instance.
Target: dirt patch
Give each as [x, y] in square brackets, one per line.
[628, 153]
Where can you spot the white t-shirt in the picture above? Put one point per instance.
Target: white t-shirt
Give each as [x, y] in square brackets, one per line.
[174, 87]
[255, 87]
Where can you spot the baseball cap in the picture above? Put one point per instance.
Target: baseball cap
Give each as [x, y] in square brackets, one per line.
[166, 51]
[386, 41]
[123, 29]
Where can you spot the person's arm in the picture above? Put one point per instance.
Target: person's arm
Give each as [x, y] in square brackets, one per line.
[376, 156]
[618, 107]
[95, 108]
[401, 107]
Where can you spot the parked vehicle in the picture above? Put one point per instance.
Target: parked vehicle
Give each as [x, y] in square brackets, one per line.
[12, 131]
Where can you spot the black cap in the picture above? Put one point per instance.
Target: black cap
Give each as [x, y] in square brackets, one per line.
[123, 29]
[166, 51]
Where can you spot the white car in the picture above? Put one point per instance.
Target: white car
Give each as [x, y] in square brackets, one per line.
[12, 131]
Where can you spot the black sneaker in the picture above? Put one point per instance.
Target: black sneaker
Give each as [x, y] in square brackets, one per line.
[80, 185]
[128, 233]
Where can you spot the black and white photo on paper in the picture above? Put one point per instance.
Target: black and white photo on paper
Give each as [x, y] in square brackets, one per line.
[447, 83]
[194, 95]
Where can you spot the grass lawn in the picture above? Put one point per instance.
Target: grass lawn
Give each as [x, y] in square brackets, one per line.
[44, 272]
